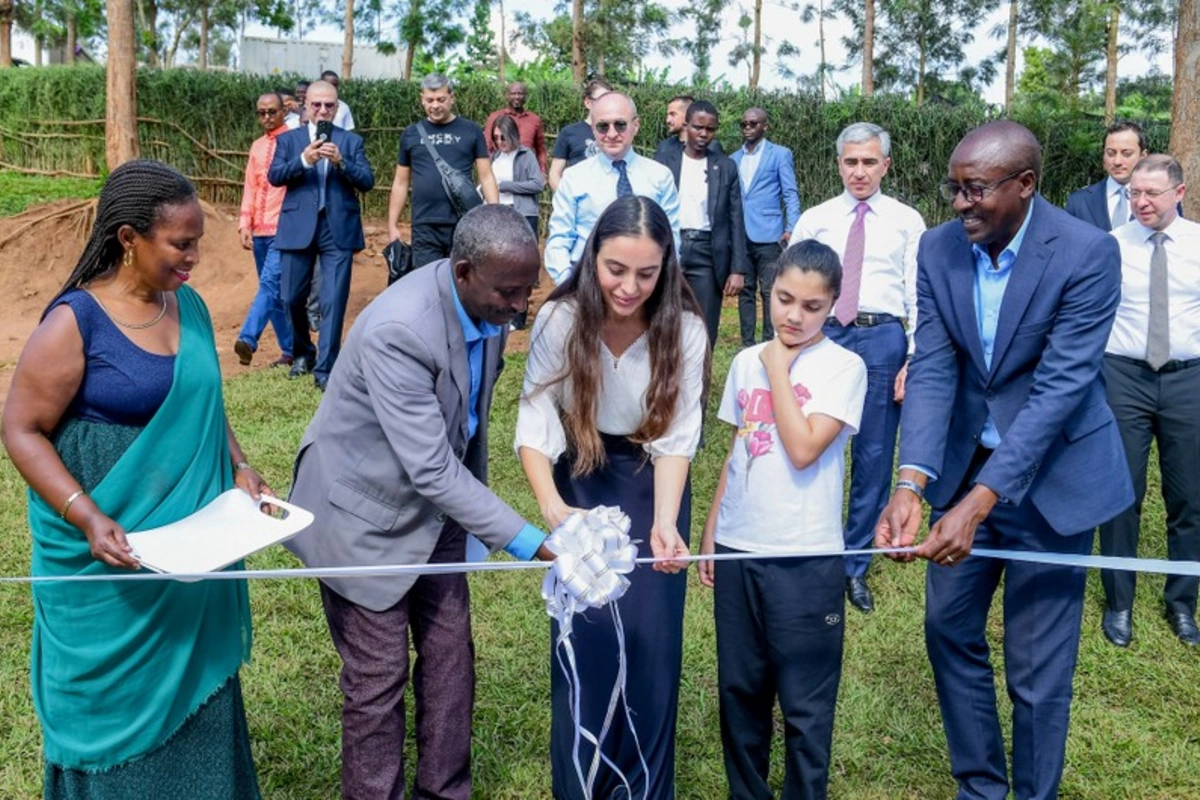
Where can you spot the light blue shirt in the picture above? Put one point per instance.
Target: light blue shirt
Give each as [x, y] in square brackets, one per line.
[527, 541]
[588, 188]
[990, 282]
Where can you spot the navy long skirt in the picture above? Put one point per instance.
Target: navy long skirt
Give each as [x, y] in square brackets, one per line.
[652, 615]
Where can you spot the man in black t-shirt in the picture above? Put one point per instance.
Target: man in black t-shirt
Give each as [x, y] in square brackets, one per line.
[460, 143]
[576, 141]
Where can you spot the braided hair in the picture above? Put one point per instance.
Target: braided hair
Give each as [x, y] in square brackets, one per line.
[135, 194]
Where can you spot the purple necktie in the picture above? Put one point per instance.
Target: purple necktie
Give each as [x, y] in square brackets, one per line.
[846, 309]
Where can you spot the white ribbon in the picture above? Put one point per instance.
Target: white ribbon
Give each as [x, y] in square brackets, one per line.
[594, 554]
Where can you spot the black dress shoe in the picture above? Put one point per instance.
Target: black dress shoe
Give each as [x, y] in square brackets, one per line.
[1183, 625]
[301, 366]
[320, 383]
[1118, 626]
[245, 353]
[859, 594]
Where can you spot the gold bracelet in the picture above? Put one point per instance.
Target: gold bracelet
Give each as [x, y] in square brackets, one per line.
[67, 505]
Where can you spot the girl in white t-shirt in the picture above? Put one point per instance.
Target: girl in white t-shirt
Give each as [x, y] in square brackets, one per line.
[794, 401]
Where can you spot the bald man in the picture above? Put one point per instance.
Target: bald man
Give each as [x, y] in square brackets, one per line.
[588, 188]
[1015, 301]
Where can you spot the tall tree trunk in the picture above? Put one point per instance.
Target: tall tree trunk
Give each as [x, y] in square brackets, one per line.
[409, 54]
[578, 68]
[38, 47]
[1010, 66]
[72, 39]
[502, 52]
[922, 49]
[348, 41]
[756, 53]
[120, 128]
[1185, 99]
[203, 61]
[1110, 72]
[821, 38]
[868, 48]
[148, 15]
[6, 26]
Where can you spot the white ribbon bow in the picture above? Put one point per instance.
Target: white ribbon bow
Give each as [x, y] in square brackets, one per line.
[594, 554]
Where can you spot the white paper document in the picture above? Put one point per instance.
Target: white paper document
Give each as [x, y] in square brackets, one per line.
[226, 530]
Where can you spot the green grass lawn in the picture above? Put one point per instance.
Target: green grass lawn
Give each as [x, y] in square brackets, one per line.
[1136, 721]
[18, 192]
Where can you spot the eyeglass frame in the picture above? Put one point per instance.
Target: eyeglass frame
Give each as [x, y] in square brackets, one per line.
[949, 194]
[1150, 194]
[266, 112]
[619, 125]
[319, 104]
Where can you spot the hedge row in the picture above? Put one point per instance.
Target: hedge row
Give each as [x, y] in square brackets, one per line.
[51, 119]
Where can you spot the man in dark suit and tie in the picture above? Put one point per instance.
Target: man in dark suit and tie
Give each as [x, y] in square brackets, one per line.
[1007, 433]
[394, 470]
[1106, 204]
[320, 216]
[712, 228]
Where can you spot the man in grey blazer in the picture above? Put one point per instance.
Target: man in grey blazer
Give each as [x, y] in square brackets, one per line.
[394, 466]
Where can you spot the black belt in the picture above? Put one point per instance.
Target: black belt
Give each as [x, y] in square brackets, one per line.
[865, 320]
[693, 234]
[1173, 365]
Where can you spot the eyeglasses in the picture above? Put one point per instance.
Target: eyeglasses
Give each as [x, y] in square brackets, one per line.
[748, 123]
[1150, 194]
[268, 112]
[619, 125]
[317, 104]
[973, 192]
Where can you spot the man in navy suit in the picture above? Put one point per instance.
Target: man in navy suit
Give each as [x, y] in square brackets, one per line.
[1106, 204]
[771, 205]
[1007, 433]
[320, 216]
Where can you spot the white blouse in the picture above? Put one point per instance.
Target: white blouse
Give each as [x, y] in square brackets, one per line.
[623, 384]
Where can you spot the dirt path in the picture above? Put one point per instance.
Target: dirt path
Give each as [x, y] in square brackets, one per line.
[34, 265]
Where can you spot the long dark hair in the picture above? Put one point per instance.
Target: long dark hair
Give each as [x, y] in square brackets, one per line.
[135, 194]
[508, 131]
[664, 310]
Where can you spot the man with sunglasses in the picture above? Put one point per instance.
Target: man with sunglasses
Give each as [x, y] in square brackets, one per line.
[591, 185]
[257, 222]
[1152, 374]
[771, 207]
[1006, 432]
[320, 216]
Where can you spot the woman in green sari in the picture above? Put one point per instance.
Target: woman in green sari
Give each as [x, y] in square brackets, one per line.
[115, 419]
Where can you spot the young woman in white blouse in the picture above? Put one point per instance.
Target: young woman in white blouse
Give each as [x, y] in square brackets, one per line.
[611, 414]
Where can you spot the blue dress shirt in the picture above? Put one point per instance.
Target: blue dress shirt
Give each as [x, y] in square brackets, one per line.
[990, 282]
[527, 541]
[588, 188]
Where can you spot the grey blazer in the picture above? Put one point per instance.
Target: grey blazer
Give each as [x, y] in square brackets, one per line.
[527, 183]
[386, 460]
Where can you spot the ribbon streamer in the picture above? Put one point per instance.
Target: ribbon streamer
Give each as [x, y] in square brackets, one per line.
[594, 554]
[1147, 565]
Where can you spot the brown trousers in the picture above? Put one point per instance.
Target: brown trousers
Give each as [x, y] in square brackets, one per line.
[373, 646]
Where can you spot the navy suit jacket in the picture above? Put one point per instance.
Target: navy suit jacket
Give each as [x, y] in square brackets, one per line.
[724, 211]
[1090, 205]
[772, 203]
[298, 216]
[1060, 446]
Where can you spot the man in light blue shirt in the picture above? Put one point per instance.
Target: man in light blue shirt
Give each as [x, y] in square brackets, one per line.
[588, 188]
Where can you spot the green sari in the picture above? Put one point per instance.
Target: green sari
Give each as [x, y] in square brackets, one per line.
[118, 668]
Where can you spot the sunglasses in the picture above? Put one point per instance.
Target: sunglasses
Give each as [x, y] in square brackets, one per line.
[620, 126]
[749, 124]
[268, 112]
[319, 104]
